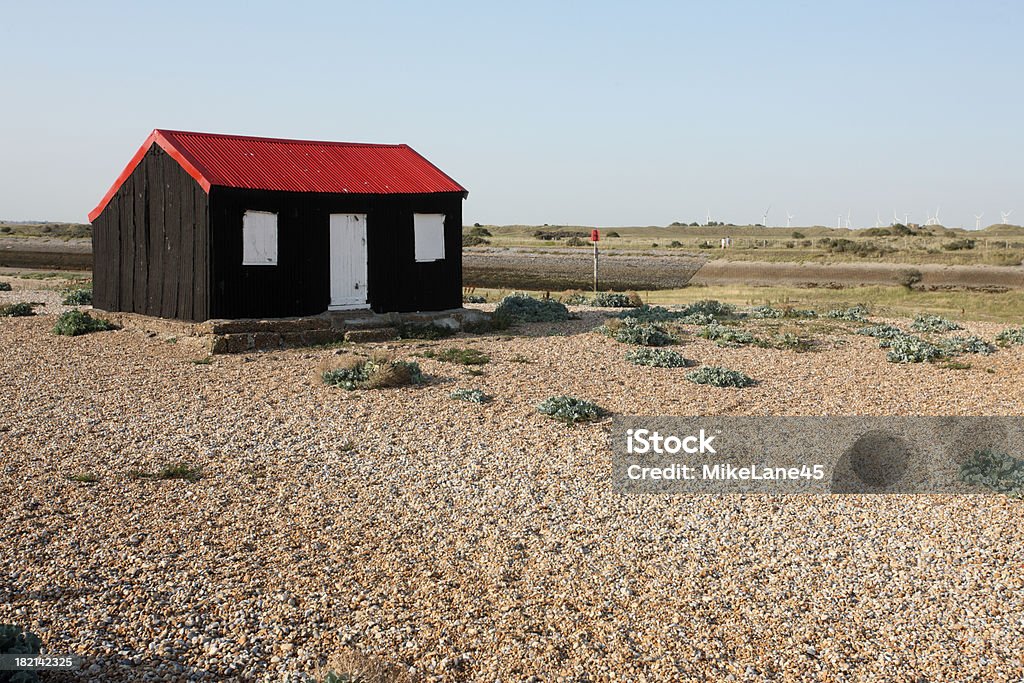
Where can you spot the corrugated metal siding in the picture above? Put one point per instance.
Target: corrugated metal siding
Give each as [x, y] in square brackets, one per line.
[307, 166]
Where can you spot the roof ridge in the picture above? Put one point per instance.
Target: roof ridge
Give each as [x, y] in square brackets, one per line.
[288, 141]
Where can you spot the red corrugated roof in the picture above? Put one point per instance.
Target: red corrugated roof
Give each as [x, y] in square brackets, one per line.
[293, 165]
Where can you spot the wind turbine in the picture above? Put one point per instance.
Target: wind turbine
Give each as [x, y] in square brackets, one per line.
[839, 221]
[895, 218]
[906, 219]
[878, 219]
[789, 219]
[708, 222]
[977, 220]
[1005, 215]
[849, 211]
[764, 218]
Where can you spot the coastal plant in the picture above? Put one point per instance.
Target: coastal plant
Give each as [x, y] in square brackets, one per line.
[615, 300]
[1011, 336]
[881, 331]
[470, 395]
[78, 297]
[658, 358]
[907, 348]
[709, 307]
[858, 314]
[524, 308]
[17, 310]
[373, 373]
[630, 331]
[933, 323]
[5, 286]
[717, 376]
[999, 472]
[427, 331]
[15, 640]
[74, 323]
[460, 356]
[766, 312]
[725, 335]
[647, 313]
[570, 410]
[956, 346]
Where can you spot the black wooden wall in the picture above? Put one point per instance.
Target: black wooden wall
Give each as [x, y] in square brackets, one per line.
[150, 246]
[300, 282]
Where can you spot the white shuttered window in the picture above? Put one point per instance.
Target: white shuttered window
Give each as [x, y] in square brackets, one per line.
[429, 230]
[259, 238]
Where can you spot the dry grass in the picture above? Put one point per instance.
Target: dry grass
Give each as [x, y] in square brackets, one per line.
[353, 666]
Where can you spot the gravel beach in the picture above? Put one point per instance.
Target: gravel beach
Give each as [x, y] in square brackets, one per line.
[468, 542]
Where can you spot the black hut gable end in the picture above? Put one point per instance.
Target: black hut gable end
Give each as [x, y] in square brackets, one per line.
[168, 237]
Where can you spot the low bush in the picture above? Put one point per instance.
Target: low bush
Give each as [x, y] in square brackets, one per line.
[612, 233]
[959, 245]
[908, 277]
[5, 286]
[631, 331]
[373, 373]
[726, 335]
[78, 297]
[800, 313]
[857, 314]
[428, 331]
[18, 310]
[473, 299]
[933, 323]
[615, 300]
[576, 242]
[881, 331]
[789, 342]
[720, 377]
[957, 346]
[659, 358]
[473, 241]
[523, 308]
[996, 471]
[1010, 336]
[710, 307]
[570, 410]
[496, 321]
[907, 348]
[765, 312]
[470, 395]
[74, 323]
[479, 231]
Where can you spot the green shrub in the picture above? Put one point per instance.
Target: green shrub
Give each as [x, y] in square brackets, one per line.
[720, 377]
[996, 471]
[496, 321]
[576, 242]
[881, 331]
[428, 331]
[473, 299]
[74, 323]
[788, 342]
[907, 348]
[5, 286]
[648, 314]
[765, 312]
[908, 277]
[858, 314]
[470, 395]
[461, 356]
[612, 233]
[958, 245]
[473, 241]
[613, 300]
[803, 313]
[78, 297]
[933, 323]
[17, 641]
[957, 346]
[374, 374]
[630, 331]
[710, 307]
[658, 358]
[18, 310]
[724, 334]
[1011, 336]
[479, 231]
[523, 308]
[570, 410]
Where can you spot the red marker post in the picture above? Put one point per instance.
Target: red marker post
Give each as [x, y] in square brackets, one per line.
[594, 237]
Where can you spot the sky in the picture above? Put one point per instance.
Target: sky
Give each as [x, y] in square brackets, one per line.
[581, 113]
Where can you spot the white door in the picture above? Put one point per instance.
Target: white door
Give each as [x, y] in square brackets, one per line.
[348, 261]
